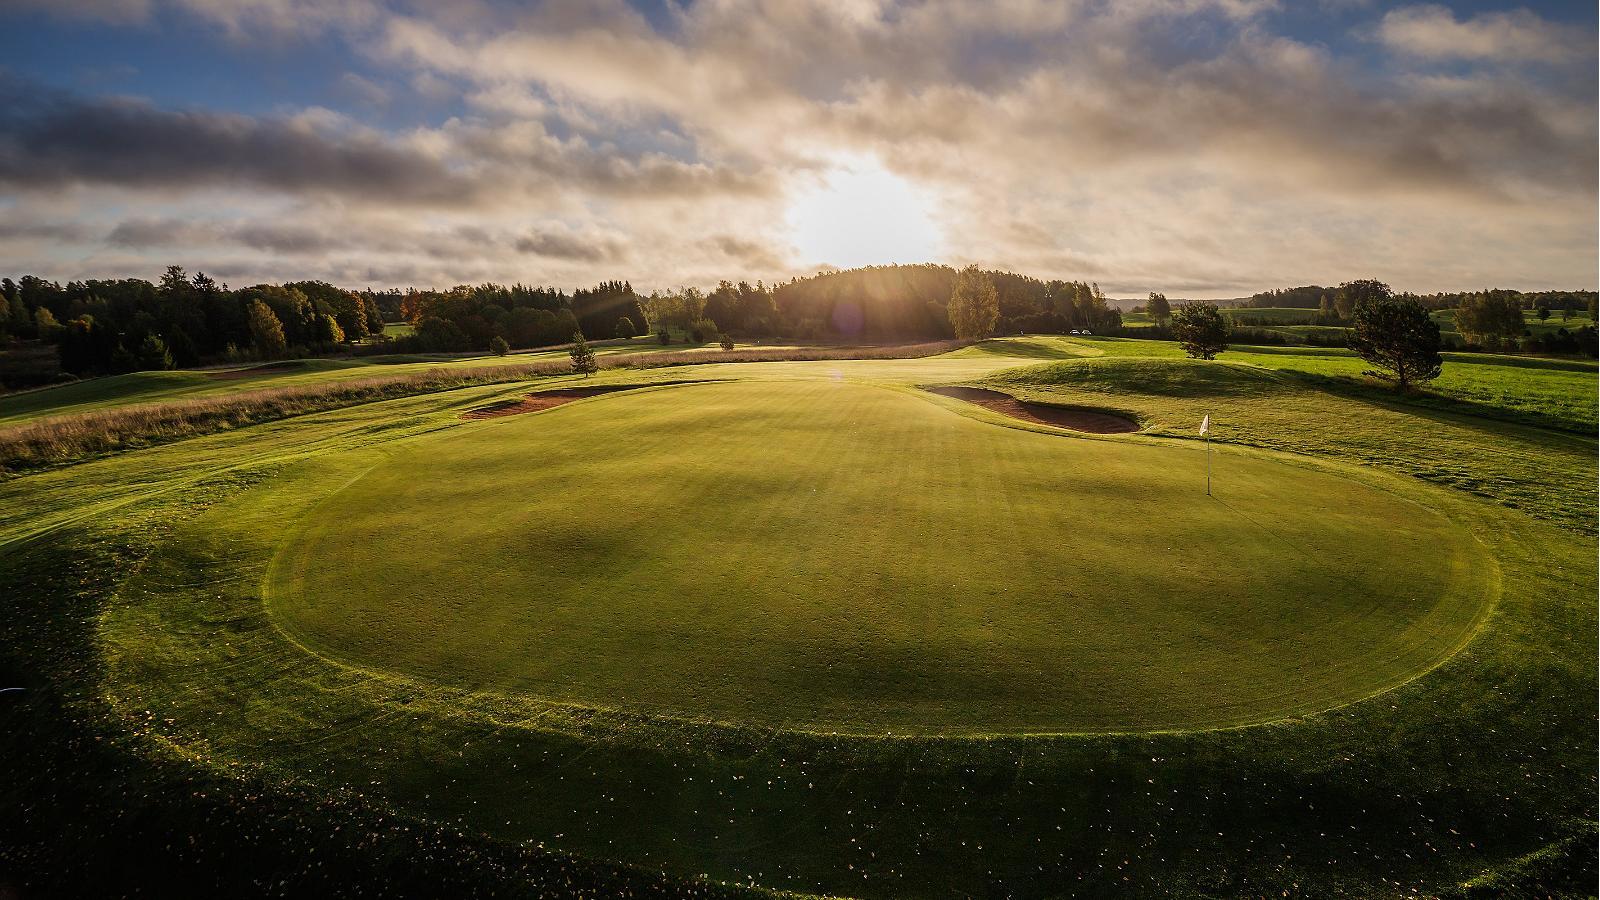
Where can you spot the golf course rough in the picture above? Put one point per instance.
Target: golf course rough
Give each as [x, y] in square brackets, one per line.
[830, 556]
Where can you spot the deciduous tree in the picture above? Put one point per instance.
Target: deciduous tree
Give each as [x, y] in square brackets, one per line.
[1489, 315]
[1200, 329]
[974, 305]
[266, 332]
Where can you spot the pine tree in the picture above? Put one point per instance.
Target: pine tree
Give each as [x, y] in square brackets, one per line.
[1159, 308]
[153, 354]
[1399, 337]
[583, 361]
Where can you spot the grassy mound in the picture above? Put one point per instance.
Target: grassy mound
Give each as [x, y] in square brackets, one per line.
[665, 556]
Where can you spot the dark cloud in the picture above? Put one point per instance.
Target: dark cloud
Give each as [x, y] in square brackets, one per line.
[50, 138]
[41, 231]
[142, 233]
[574, 247]
[752, 255]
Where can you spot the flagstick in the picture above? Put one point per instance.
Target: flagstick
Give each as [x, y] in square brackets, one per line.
[1208, 462]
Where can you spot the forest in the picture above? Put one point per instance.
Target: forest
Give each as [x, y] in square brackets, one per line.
[183, 320]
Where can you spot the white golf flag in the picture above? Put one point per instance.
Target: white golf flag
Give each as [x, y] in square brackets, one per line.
[1205, 424]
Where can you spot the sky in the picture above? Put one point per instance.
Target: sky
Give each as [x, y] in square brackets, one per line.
[1203, 148]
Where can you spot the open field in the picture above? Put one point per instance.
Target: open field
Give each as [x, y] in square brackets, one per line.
[805, 626]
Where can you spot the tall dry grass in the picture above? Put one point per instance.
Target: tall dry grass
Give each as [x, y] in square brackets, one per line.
[58, 440]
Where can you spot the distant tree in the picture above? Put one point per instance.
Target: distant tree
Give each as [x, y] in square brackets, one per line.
[328, 329]
[153, 354]
[1159, 308]
[974, 305]
[1325, 310]
[498, 346]
[583, 361]
[45, 325]
[1544, 313]
[86, 346]
[266, 332]
[1397, 335]
[625, 328]
[122, 360]
[1489, 317]
[20, 320]
[184, 352]
[664, 337]
[1352, 294]
[436, 335]
[727, 342]
[1200, 329]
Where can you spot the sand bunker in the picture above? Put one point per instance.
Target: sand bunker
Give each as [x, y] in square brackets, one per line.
[1088, 420]
[542, 400]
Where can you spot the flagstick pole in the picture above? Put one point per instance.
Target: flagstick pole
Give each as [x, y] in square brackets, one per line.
[1208, 462]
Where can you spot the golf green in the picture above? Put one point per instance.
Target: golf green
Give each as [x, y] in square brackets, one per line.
[841, 557]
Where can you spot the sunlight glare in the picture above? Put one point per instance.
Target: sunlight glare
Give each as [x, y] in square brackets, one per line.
[858, 214]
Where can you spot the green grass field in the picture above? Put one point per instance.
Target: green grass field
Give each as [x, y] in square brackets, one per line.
[806, 627]
[689, 575]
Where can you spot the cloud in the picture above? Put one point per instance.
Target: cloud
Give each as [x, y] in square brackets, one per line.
[1149, 144]
[1431, 31]
[52, 139]
[562, 244]
[41, 231]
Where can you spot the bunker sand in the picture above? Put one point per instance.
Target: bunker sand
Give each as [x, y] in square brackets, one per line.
[1085, 420]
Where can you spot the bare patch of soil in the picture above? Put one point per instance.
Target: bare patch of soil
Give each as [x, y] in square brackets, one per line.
[1086, 420]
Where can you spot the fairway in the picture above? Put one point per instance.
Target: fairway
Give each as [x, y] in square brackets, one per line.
[830, 556]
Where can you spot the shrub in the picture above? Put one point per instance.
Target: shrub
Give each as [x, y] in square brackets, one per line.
[498, 346]
[664, 336]
[727, 342]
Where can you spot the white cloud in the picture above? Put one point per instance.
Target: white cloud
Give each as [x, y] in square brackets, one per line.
[1431, 31]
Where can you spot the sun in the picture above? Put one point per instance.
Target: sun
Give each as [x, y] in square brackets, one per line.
[859, 213]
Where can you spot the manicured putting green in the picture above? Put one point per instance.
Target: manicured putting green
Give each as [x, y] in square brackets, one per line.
[835, 556]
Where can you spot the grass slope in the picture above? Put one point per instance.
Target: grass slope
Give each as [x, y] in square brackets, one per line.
[161, 699]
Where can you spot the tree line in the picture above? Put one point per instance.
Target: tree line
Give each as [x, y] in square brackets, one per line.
[1338, 303]
[182, 320]
[119, 325]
